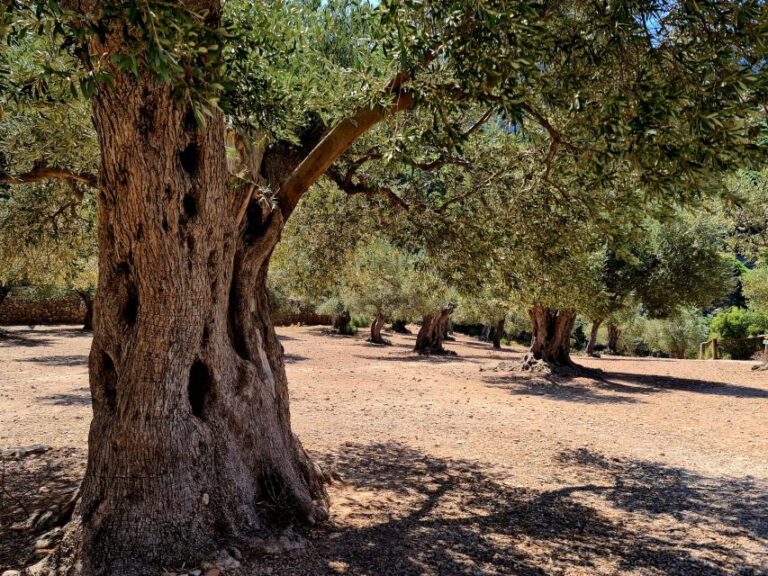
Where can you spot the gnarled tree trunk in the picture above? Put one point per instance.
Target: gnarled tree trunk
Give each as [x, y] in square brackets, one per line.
[430, 338]
[593, 337]
[4, 291]
[614, 334]
[190, 446]
[341, 323]
[399, 326]
[448, 331]
[376, 326]
[87, 297]
[498, 334]
[551, 341]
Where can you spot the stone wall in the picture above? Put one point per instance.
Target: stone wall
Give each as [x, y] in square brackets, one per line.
[305, 318]
[18, 310]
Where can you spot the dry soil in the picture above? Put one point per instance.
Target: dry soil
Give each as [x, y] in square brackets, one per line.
[451, 466]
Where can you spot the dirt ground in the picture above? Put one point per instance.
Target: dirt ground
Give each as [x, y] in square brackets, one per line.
[452, 467]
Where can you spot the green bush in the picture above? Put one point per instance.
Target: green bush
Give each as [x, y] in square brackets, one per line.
[578, 335]
[678, 336]
[738, 323]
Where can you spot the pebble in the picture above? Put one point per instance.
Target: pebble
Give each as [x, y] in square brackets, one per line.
[213, 572]
[11, 573]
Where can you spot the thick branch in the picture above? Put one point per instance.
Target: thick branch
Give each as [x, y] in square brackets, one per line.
[440, 162]
[479, 123]
[425, 166]
[554, 133]
[347, 185]
[336, 142]
[42, 172]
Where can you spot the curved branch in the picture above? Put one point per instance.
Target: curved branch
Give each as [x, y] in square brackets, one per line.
[554, 134]
[337, 141]
[439, 163]
[479, 123]
[425, 166]
[42, 172]
[345, 184]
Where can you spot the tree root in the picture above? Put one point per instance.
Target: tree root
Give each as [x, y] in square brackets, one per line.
[63, 557]
[761, 367]
[550, 370]
[316, 480]
[61, 547]
[437, 352]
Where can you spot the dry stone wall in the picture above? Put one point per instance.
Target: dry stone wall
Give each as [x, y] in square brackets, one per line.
[18, 310]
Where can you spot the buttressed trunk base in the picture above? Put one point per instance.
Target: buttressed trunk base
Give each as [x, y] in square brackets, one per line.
[614, 334]
[341, 323]
[593, 337]
[376, 326]
[87, 299]
[498, 334]
[551, 340]
[432, 333]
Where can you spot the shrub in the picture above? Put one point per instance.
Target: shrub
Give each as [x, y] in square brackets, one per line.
[360, 321]
[738, 323]
[756, 288]
[578, 335]
[678, 336]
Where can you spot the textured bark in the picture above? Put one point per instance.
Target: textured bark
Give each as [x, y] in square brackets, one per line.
[593, 337]
[190, 446]
[341, 323]
[448, 331]
[87, 297]
[430, 338]
[551, 341]
[400, 327]
[498, 334]
[614, 334]
[376, 326]
[4, 291]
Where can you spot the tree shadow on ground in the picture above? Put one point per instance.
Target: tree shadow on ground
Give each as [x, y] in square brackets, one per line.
[394, 344]
[410, 513]
[30, 487]
[657, 489]
[586, 390]
[404, 512]
[63, 360]
[414, 357]
[284, 338]
[611, 387]
[82, 399]
[58, 331]
[13, 339]
[662, 383]
[30, 338]
[488, 346]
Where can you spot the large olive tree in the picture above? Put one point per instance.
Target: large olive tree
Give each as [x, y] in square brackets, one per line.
[191, 444]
